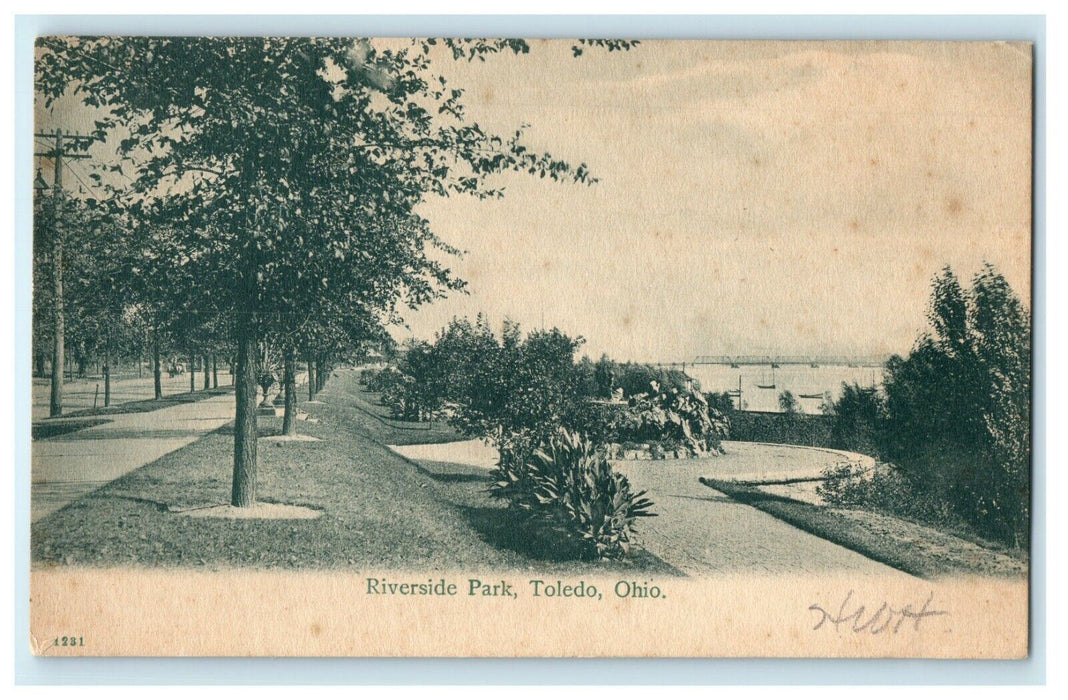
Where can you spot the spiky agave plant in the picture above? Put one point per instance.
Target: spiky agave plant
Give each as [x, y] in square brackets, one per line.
[576, 494]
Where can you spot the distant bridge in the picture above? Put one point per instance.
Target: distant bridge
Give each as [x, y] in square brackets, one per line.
[811, 360]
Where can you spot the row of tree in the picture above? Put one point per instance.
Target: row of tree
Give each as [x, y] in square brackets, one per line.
[112, 313]
[267, 189]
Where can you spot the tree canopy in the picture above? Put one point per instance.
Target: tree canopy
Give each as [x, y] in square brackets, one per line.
[274, 182]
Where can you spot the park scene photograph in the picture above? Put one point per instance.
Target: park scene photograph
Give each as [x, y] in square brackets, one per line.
[529, 318]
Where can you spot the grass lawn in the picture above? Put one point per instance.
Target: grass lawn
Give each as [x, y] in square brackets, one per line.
[376, 420]
[379, 511]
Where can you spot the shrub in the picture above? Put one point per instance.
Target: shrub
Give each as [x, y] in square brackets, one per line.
[600, 421]
[674, 420]
[888, 490]
[567, 487]
[381, 380]
[788, 403]
[397, 391]
[368, 377]
[953, 416]
[513, 385]
[395, 394]
[858, 419]
[723, 402]
[634, 378]
[421, 395]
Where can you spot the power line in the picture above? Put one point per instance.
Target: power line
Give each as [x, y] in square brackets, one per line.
[86, 185]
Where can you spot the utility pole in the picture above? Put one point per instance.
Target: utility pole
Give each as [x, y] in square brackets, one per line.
[59, 152]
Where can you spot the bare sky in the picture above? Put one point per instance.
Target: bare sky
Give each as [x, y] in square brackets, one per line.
[755, 197]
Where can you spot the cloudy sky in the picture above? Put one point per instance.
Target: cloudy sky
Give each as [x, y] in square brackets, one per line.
[754, 197]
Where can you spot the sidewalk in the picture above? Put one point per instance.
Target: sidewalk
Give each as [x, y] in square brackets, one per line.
[66, 467]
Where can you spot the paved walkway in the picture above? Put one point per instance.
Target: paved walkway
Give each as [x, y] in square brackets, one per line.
[701, 531]
[69, 466]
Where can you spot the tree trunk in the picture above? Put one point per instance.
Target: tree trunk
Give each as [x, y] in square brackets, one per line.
[243, 494]
[318, 374]
[214, 371]
[289, 382]
[192, 372]
[207, 373]
[157, 370]
[311, 384]
[107, 376]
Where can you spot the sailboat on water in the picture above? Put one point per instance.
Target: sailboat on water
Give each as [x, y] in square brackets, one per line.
[766, 384]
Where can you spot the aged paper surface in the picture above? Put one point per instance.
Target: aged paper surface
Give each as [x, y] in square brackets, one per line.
[531, 348]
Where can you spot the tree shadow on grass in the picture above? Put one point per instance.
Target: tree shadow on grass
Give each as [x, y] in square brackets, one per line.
[507, 530]
[748, 494]
[451, 472]
[264, 429]
[501, 528]
[149, 405]
[460, 478]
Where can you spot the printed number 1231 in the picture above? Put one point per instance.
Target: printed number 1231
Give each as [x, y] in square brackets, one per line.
[69, 642]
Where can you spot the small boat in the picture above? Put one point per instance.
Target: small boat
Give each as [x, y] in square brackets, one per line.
[774, 366]
[814, 366]
[810, 396]
[772, 384]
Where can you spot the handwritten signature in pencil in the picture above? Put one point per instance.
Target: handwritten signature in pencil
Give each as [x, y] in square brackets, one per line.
[853, 617]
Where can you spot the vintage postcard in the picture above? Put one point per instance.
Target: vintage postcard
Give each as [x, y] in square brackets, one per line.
[499, 347]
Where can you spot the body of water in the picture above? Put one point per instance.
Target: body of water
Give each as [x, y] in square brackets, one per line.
[762, 384]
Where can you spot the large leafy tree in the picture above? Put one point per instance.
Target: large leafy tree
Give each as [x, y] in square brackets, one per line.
[291, 169]
[958, 407]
